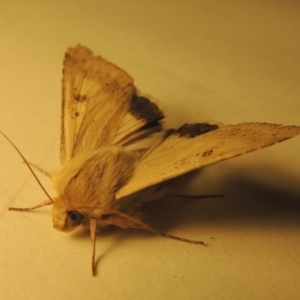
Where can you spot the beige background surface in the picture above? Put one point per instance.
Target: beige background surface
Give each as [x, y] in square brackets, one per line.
[231, 62]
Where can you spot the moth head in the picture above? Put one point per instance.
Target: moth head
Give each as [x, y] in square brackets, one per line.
[65, 219]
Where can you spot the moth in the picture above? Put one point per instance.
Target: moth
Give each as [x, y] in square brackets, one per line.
[116, 154]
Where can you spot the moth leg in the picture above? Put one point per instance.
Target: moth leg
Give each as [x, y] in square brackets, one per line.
[93, 230]
[44, 203]
[195, 197]
[36, 167]
[124, 220]
[174, 237]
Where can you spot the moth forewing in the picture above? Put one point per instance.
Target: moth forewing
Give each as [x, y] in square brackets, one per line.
[94, 90]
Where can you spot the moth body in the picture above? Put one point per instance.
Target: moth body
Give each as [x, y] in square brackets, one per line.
[107, 171]
[87, 184]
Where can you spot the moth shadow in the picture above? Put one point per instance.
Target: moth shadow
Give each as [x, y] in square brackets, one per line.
[246, 201]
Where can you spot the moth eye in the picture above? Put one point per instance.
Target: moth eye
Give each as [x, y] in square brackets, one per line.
[74, 218]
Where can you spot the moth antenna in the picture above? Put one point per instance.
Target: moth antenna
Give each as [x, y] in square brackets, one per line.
[36, 178]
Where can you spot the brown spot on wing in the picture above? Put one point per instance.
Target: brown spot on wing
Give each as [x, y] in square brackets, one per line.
[207, 153]
[79, 98]
[143, 108]
[192, 130]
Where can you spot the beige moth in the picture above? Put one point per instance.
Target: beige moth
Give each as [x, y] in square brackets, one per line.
[115, 154]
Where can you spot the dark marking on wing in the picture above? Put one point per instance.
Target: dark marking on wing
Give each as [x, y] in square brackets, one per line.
[193, 130]
[79, 98]
[143, 108]
[168, 132]
[207, 153]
